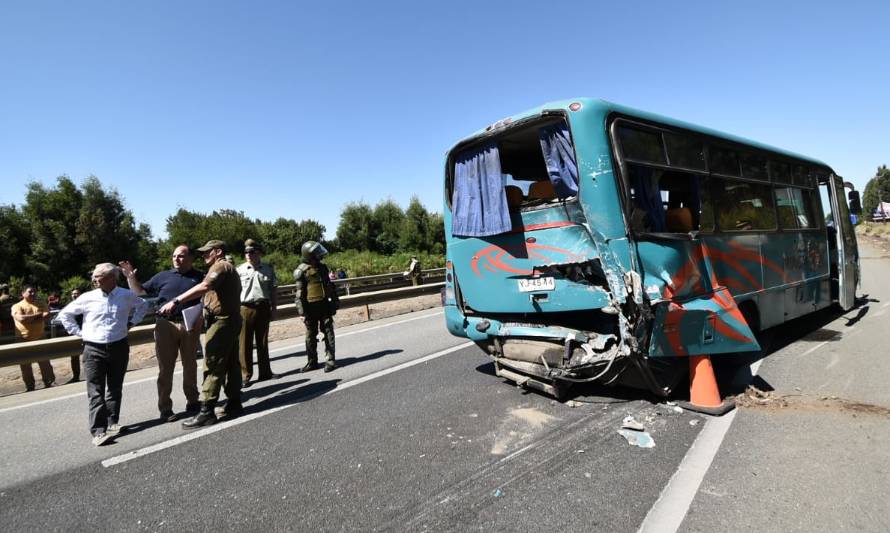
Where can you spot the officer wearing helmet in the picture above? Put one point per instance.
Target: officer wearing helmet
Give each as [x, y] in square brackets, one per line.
[317, 303]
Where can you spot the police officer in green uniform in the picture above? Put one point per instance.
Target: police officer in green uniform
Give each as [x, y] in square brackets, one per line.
[221, 289]
[317, 303]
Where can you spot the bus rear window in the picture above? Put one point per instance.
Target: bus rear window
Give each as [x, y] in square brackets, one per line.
[526, 166]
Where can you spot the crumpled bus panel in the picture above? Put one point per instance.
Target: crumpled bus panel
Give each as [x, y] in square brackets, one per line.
[705, 325]
[489, 270]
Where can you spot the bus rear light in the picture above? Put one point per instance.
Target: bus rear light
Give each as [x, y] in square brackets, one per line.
[449, 265]
[448, 277]
[575, 106]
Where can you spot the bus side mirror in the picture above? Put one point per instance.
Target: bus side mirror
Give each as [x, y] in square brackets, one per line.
[855, 204]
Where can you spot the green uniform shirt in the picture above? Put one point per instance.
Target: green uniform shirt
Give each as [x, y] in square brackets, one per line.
[224, 296]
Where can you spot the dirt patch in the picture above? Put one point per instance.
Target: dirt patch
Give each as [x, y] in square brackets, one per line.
[754, 398]
[142, 355]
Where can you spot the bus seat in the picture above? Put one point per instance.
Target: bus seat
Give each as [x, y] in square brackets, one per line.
[542, 189]
[678, 220]
[514, 196]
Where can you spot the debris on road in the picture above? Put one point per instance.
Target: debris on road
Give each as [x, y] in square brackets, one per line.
[498, 493]
[630, 422]
[574, 403]
[640, 439]
[693, 422]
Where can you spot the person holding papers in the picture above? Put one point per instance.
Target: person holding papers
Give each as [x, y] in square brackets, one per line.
[178, 331]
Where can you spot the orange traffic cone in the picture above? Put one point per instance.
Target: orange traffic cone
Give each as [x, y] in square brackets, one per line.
[704, 396]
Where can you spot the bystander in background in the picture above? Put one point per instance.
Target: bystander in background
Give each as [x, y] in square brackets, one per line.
[30, 324]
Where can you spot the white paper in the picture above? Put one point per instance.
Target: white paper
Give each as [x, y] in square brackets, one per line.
[191, 317]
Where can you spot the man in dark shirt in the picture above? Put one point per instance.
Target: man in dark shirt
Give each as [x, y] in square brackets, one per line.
[172, 332]
[221, 289]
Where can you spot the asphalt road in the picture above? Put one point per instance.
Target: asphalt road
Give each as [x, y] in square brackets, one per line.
[414, 432]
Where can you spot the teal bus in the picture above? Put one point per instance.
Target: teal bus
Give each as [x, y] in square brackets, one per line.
[588, 241]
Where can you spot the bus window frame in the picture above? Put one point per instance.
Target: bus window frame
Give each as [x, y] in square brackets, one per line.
[615, 120]
[499, 129]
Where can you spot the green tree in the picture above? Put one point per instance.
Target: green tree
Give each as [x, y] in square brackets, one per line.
[416, 227]
[14, 236]
[387, 221]
[227, 225]
[52, 215]
[436, 236]
[355, 229]
[286, 235]
[877, 189]
[71, 229]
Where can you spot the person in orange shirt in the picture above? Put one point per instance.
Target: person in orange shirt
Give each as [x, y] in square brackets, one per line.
[30, 318]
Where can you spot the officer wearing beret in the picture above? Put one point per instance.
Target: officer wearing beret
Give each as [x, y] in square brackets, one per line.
[317, 303]
[221, 290]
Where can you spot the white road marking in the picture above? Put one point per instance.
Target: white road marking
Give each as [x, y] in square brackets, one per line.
[276, 351]
[813, 349]
[253, 416]
[670, 509]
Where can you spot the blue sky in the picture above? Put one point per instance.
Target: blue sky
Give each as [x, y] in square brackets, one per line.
[294, 109]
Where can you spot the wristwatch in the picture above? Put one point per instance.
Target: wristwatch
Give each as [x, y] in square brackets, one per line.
[175, 301]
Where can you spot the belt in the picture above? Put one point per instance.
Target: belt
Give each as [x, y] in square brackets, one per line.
[254, 305]
[105, 345]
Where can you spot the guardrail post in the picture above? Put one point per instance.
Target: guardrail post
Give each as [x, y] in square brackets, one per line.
[367, 312]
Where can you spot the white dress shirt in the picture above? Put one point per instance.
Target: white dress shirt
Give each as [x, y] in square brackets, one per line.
[106, 317]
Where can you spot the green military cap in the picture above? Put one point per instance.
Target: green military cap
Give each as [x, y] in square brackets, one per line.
[213, 245]
[251, 245]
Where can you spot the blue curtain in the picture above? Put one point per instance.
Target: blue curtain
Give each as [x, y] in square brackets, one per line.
[479, 201]
[560, 159]
[648, 196]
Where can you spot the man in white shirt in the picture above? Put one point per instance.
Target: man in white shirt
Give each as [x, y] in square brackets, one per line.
[106, 313]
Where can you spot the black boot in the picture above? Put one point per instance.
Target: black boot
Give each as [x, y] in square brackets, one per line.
[311, 365]
[205, 417]
[330, 365]
[232, 410]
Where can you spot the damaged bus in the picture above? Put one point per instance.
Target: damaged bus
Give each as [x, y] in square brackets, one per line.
[588, 241]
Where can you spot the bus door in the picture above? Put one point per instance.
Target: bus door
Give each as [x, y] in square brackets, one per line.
[847, 251]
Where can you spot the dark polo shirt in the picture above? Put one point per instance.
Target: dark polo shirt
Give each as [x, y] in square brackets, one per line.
[169, 284]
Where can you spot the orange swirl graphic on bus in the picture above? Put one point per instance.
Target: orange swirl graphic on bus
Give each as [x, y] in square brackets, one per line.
[496, 258]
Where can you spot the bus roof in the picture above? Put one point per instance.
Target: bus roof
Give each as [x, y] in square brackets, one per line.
[605, 107]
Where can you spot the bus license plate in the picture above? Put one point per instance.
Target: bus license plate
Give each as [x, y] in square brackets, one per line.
[536, 284]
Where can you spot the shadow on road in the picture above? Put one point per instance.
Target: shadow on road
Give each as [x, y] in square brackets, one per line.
[376, 355]
[294, 395]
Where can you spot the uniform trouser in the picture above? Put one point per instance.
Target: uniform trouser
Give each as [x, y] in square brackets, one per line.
[222, 370]
[315, 318]
[75, 367]
[172, 339]
[46, 373]
[255, 327]
[105, 366]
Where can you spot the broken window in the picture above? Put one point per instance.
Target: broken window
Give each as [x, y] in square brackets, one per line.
[669, 201]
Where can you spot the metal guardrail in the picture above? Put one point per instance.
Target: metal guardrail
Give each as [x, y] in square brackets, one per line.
[345, 287]
[29, 352]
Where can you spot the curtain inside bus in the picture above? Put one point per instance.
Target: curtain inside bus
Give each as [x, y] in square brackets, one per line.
[560, 159]
[479, 203]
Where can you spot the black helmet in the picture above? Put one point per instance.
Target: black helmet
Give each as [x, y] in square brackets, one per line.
[312, 249]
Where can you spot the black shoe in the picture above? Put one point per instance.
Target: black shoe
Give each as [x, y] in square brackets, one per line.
[193, 407]
[204, 418]
[247, 384]
[330, 366]
[29, 388]
[310, 366]
[231, 411]
[270, 376]
[169, 416]
[75, 379]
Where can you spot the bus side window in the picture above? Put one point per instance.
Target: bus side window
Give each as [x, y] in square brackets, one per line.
[743, 206]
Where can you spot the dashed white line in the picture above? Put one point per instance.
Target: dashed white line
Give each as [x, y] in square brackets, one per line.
[253, 416]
